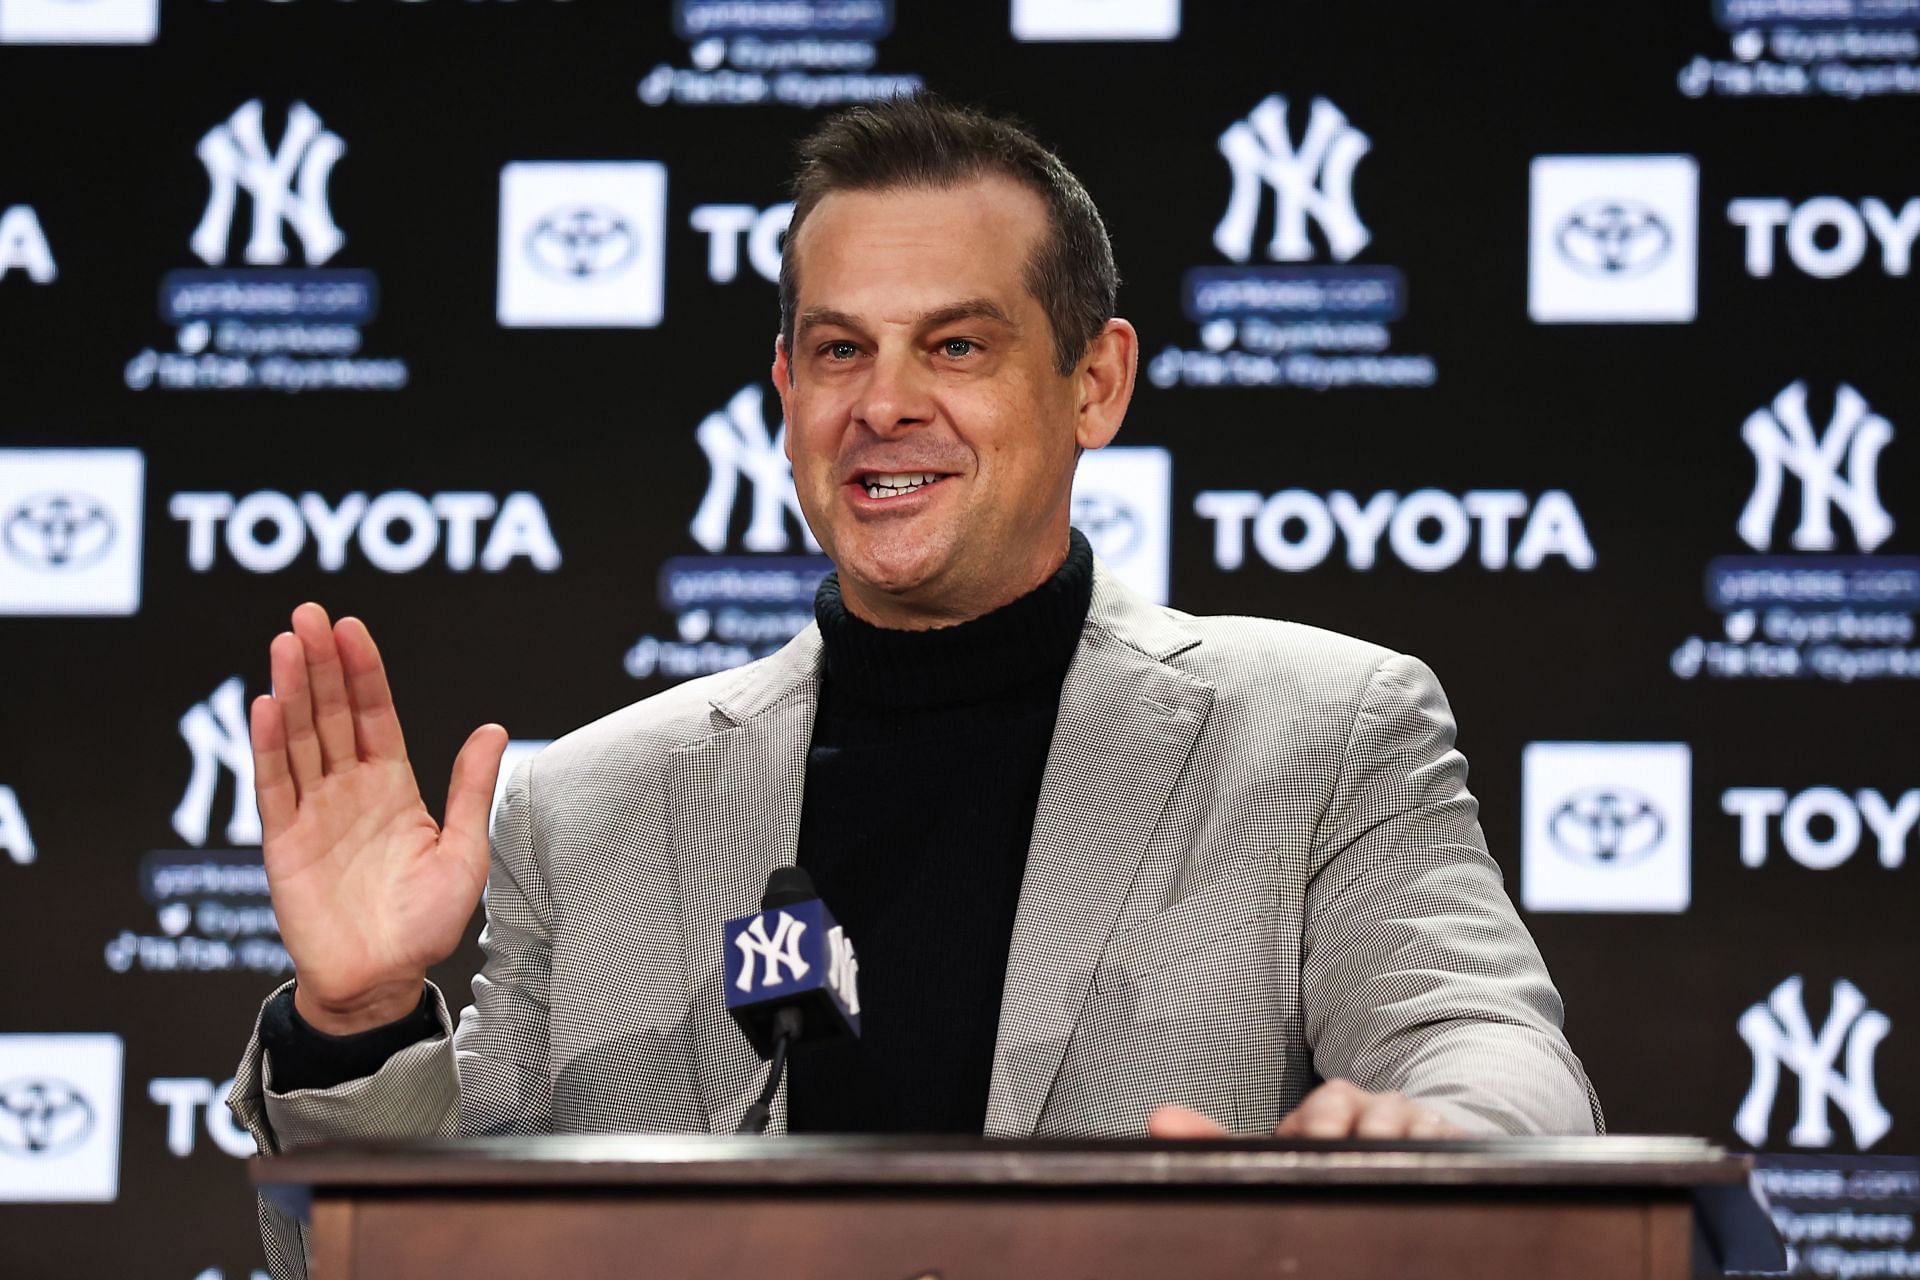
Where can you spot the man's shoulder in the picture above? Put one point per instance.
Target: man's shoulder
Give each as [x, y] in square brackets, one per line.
[644, 733]
[1272, 672]
[1271, 655]
[1261, 658]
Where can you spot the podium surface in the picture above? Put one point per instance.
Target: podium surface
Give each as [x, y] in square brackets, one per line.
[895, 1208]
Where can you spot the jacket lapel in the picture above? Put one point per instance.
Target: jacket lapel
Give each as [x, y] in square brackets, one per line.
[1126, 727]
[734, 797]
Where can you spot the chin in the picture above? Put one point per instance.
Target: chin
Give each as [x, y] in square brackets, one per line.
[901, 570]
[893, 578]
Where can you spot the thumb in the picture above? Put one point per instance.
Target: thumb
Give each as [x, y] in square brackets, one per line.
[1182, 1122]
[475, 771]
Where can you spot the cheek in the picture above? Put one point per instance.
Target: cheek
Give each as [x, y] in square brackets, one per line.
[811, 439]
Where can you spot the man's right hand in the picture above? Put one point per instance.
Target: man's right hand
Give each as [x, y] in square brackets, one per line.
[369, 890]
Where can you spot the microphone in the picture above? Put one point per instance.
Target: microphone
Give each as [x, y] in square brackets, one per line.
[791, 975]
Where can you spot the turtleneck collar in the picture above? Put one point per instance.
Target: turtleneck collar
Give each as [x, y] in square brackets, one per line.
[1030, 638]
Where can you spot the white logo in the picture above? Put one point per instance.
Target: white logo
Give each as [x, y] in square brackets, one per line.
[1843, 815]
[1605, 826]
[216, 733]
[843, 969]
[1779, 1032]
[780, 950]
[23, 245]
[182, 1096]
[582, 242]
[724, 224]
[60, 1117]
[397, 532]
[79, 21]
[1123, 503]
[288, 185]
[1314, 180]
[1613, 239]
[1846, 225]
[1427, 530]
[70, 530]
[1096, 19]
[14, 836]
[737, 443]
[582, 245]
[1782, 440]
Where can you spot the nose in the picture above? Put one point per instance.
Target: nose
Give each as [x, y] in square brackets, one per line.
[897, 394]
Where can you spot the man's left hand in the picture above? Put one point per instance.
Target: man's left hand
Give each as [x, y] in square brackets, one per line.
[1337, 1109]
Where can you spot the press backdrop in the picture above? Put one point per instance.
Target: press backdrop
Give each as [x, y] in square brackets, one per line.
[1568, 347]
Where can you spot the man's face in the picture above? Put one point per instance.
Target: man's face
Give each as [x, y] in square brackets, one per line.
[932, 437]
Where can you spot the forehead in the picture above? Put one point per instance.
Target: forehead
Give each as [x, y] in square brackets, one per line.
[880, 251]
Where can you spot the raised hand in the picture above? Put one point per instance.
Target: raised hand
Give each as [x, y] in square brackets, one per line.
[369, 890]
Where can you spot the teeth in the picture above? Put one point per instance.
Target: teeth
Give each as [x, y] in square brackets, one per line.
[897, 483]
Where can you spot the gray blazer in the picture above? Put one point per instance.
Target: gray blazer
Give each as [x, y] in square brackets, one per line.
[1255, 865]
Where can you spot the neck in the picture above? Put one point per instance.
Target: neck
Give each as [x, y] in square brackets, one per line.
[1024, 639]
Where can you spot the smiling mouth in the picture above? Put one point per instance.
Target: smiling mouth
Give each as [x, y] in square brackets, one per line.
[897, 484]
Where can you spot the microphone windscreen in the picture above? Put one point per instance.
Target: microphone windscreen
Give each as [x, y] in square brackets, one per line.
[786, 886]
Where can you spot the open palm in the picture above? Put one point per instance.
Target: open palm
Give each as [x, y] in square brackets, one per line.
[369, 890]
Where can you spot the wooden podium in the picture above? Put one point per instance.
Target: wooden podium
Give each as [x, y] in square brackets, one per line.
[810, 1208]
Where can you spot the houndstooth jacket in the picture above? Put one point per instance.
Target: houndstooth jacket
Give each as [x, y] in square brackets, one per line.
[1254, 866]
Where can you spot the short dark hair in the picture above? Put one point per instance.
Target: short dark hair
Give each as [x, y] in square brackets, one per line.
[924, 141]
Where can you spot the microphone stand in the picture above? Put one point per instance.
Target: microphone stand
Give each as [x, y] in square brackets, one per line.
[786, 1029]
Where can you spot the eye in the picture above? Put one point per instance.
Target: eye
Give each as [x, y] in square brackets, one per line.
[957, 348]
[840, 350]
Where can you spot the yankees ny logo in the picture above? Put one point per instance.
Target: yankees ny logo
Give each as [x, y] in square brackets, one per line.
[236, 155]
[782, 950]
[1782, 440]
[216, 733]
[843, 969]
[1779, 1032]
[738, 444]
[1313, 180]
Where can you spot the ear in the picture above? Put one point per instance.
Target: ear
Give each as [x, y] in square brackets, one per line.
[782, 386]
[1104, 384]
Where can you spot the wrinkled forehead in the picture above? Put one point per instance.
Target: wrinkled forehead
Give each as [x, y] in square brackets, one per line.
[973, 239]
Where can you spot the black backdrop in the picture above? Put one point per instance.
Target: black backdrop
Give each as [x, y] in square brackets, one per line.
[1638, 423]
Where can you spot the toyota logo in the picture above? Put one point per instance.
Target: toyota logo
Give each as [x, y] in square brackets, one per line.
[60, 531]
[582, 242]
[1112, 527]
[43, 1117]
[1613, 238]
[1606, 826]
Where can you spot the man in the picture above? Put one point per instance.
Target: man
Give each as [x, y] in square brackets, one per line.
[1111, 869]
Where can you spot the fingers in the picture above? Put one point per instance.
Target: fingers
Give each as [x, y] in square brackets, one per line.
[1341, 1109]
[289, 661]
[1387, 1116]
[376, 726]
[1328, 1112]
[327, 687]
[1182, 1122]
[272, 780]
[1429, 1125]
[470, 794]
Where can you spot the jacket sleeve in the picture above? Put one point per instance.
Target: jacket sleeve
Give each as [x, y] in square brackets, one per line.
[490, 1076]
[1417, 974]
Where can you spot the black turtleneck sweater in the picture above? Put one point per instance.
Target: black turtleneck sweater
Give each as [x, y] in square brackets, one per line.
[922, 778]
[923, 775]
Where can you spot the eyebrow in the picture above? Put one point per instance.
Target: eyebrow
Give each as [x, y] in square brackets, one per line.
[970, 309]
